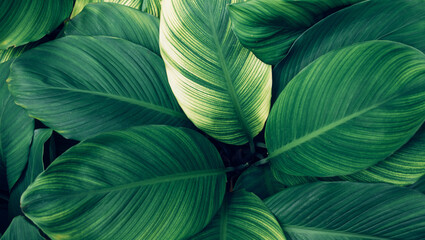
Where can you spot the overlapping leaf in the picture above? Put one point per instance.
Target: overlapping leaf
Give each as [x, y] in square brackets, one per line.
[29, 20]
[348, 110]
[21, 229]
[222, 87]
[347, 210]
[117, 83]
[402, 21]
[152, 7]
[115, 20]
[80, 4]
[149, 182]
[242, 216]
[269, 27]
[33, 168]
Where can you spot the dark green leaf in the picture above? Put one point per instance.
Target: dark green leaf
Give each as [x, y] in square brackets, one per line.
[21, 229]
[149, 182]
[419, 185]
[349, 211]
[81, 86]
[80, 4]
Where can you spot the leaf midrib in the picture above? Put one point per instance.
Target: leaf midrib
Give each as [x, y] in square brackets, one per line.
[302, 229]
[229, 83]
[150, 106]
[151, 181]
[299, 141]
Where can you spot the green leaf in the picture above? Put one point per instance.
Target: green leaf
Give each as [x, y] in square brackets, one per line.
[16, 130]
[222, 87]
[419, 185]
[149, 182]
[242, 216]
[350, 211]
[260, 181]
[81, 86]
[21, 229]
[291, 180]
[33, 168]
[403, 167]
[269, 27]
[348, 110]
[115, 20]
[80, 4]
[152, 7]
[365, 21]
[29, 20]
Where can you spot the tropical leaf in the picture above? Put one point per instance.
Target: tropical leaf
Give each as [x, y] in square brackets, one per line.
[222, 87]
[403, 167]
[152, 7]
[33, 168]
[149, 182]
[419, 185]
[80, 4]
[269, 27]
[291, 180]
[259, 180]
[81, 86]
[242, 216]
[29, 20]
[16, 130]
[348, 110]
[349, 211]
[21, 229]
[361, 22]
[110, 19]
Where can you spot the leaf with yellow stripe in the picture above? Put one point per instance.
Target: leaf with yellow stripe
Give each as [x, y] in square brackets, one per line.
[149, 182]
[221, 86]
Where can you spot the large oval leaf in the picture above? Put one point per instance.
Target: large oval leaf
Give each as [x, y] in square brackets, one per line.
[242, 216]
[349, 211]
[109, 19]
[222, 87]
[348, 110]
[150, 182]
[80, 4]
[81, 86]
[269, 27]
[361, 22]
[29, 20]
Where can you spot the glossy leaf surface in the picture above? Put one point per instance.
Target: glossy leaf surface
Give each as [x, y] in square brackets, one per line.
[222, 87]
[149, 182]
[81, 86]
[348, 110]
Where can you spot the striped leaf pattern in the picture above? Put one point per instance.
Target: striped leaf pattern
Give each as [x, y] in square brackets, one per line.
[26, 21]
[361, 22]
[21, 229]
[348, 110]
[115, 20]
[269, 27]
[152, 7]
[221, 86]
[419, 185]
[118, 84]
[242, 216]
[349, 211]
[80, 4]
[149, 182]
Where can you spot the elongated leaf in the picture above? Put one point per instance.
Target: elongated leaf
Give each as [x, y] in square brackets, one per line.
[33, 168]
[403, 167]
[29, 20]
[16, 131]
[109, 19]
[260, 181]
[149, 182]
[222, 87]
[364, 21]
[349, 211]
[348, 110]
[152, 7]
[291, 180]
[269, 27]
[21, 229]
[242, 216]
[80, 4]
[81, 86]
